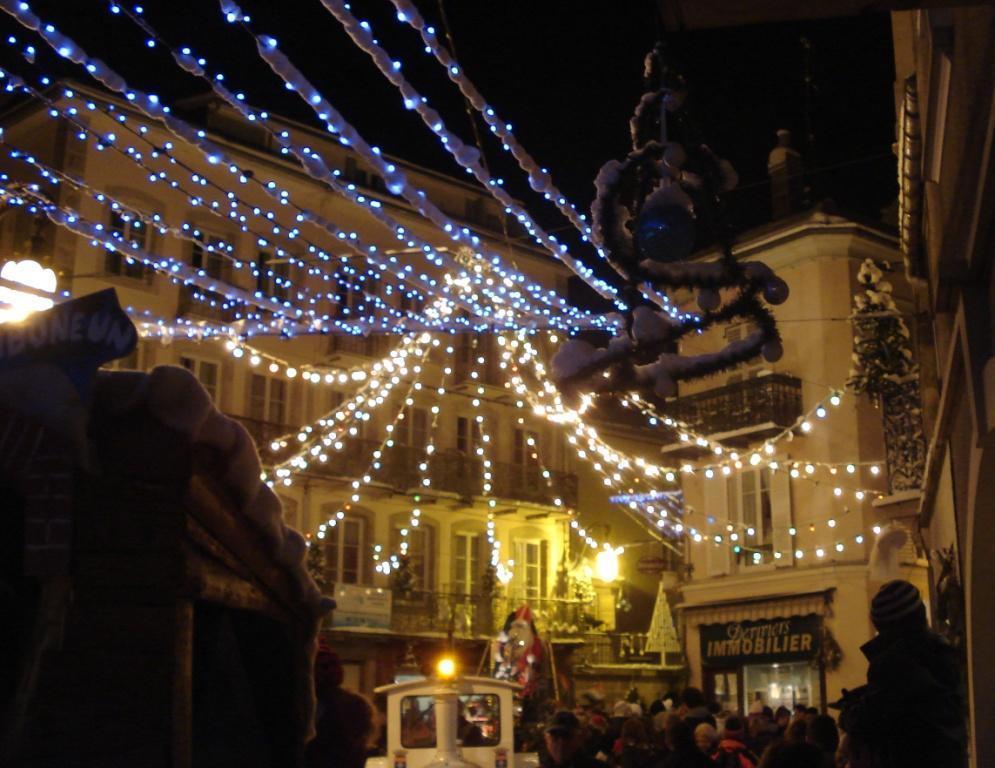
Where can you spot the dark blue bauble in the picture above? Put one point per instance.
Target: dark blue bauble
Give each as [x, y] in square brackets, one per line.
[665, 234]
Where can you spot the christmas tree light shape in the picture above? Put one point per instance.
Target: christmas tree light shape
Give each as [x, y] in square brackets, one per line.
[646, 216]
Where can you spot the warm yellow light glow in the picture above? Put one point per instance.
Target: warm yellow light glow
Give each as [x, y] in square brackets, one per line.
[16, 305]
[606, 565]
[446, 667]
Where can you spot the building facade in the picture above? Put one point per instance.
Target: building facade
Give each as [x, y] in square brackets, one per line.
[785, 515]
[945, 84]
[498, 485]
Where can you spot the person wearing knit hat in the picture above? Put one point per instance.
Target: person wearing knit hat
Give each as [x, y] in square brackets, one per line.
[910, 712]
[898, 605]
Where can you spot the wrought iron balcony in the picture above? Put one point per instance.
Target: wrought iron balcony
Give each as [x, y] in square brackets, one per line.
[616, 648]
[263, 432]
[451, 471]
[473, 615]
[198, 302]
[765, 401]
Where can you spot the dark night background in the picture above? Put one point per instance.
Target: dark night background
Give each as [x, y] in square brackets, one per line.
[567, 75]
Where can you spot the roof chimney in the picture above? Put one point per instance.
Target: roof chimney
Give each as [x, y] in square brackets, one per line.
[784, 166]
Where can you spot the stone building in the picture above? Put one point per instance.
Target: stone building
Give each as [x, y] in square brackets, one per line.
[280, 388]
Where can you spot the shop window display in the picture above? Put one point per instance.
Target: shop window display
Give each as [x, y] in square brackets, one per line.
[781, 685]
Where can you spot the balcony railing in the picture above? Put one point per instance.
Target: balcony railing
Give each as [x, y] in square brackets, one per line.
[198, 302]
[451, 471]
[264, 432]
[774, 399]
[616, 648]
[418, 612]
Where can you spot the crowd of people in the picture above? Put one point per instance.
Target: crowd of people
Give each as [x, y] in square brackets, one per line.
[909, 713]
[687, 731]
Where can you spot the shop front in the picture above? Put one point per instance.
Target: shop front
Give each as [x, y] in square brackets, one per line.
[774, 661]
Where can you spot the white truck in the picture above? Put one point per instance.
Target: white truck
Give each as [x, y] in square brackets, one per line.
[452, 722]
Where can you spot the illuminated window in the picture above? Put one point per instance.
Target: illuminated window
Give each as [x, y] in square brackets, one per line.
[478, 721]
[466, 561]
[344, 551]
[750, 507]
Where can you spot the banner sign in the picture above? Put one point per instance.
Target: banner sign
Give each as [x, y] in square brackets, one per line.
[79, 336]
[357, 606]
[757, 642]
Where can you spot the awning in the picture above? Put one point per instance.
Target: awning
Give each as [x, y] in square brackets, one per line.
[756, 608]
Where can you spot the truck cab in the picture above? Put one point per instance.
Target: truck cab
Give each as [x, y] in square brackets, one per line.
[451, 721]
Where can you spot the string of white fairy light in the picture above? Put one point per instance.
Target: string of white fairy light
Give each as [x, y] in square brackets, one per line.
[314, 165]
[301, 464]
[70, 219]
[132, 213]
[539, 178]
[575, 525]
[150, 106]
[831, 521]
[385, 566]
[466, 156]
[109, 141]
[329, 430]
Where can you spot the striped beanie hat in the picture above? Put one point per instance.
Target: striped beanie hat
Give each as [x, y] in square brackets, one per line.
[896, 601]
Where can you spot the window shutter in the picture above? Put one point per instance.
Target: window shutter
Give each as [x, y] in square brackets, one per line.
[428, 556]
[717, 557]
[543, 568]
[780, 513]
[518, 573]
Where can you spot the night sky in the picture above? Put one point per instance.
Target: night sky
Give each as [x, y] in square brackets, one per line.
[566, 74]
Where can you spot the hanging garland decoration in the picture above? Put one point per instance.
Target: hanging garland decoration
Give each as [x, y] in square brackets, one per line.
[648, 212]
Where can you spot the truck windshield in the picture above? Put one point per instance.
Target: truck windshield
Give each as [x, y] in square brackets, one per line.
[478, 721]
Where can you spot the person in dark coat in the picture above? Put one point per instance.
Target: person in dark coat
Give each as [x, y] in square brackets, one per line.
[343, 719]
[787, 754]
[911, 711]
[823, 734]
[684, 753]
[564, 742]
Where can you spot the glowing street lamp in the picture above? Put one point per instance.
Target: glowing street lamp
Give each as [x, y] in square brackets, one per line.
[15, 305]
[606, 564]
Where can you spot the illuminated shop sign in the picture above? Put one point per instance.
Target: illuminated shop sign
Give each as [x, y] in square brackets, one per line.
[754, 642]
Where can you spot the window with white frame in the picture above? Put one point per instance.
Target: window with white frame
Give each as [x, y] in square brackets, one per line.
[273, 275]
[344, 550]
[420, 553]
[467, 435]
[531, 567]
[525, 457]
[134, 231]
[466, 563]
[207, 373]
[414, 428]
[751, 513]
[208, 257]
[267, 398]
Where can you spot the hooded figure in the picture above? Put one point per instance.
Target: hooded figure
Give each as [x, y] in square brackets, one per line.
[911, 711]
